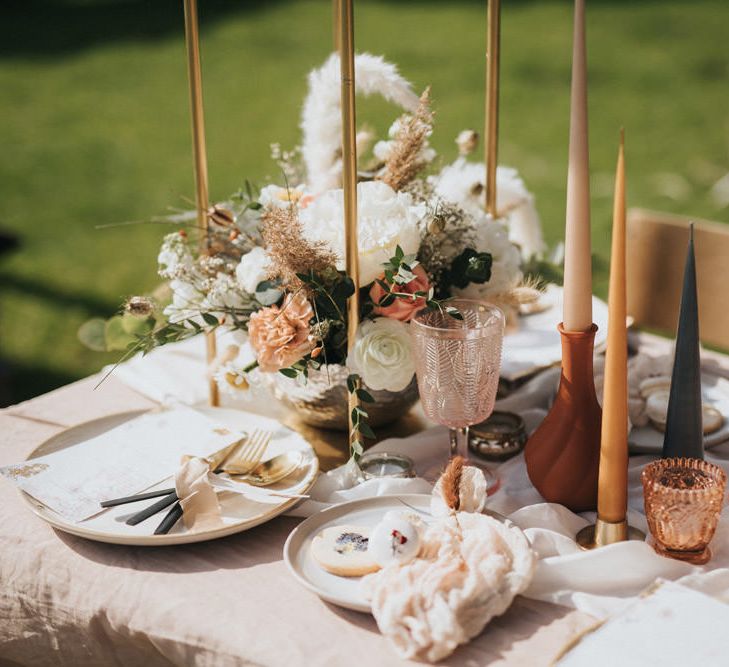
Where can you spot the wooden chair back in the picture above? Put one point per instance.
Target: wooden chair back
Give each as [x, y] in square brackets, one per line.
[656, 254]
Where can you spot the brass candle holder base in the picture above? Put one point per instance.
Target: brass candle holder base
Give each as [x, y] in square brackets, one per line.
[602, 533]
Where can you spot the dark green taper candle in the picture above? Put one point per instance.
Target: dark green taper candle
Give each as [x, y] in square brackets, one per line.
[684, 435]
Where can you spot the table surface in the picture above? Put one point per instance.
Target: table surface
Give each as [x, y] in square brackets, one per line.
[68, 601]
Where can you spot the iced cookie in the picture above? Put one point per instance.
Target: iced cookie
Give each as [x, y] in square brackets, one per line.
[394, 540]
[342, 550]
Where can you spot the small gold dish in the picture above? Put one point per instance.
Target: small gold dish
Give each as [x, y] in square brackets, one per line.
[499, 437]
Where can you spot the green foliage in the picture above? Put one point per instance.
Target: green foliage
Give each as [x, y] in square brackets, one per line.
[360, 427]
[92, 334]
[469, 267]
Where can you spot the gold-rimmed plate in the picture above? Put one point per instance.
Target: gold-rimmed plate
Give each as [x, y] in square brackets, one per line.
[238, 513]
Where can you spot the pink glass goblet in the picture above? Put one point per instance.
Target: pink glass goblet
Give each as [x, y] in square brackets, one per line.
[457, 361]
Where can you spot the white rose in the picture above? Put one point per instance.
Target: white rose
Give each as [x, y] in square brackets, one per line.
[382, 355]
[386, 219]
[492, 236]
[253, 269]
[462, 183]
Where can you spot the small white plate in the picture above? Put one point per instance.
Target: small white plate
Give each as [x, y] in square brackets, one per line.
[367, 512]
[714, 392]
[238, 513]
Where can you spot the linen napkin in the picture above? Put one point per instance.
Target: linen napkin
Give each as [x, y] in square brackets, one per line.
[200, 507]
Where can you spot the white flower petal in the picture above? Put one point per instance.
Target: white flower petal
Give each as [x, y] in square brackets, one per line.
[382, 354]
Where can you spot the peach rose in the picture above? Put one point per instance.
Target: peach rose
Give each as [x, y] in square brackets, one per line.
[280, 336]
[402, 308]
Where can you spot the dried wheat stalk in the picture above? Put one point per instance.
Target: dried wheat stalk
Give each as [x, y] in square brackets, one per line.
[289, 251]
[405, 161]
[451, 483]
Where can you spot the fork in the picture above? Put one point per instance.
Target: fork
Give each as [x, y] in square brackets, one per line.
[244, 458]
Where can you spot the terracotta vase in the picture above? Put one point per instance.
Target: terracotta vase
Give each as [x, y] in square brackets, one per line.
[563, 455]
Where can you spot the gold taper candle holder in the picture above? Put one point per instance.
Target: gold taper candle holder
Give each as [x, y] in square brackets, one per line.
[493, 47]
[192, 42]
[336, 29]
[349, 182]
[601, 533]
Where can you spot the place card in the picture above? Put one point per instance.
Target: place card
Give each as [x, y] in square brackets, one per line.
[673, 625]
[125, 460]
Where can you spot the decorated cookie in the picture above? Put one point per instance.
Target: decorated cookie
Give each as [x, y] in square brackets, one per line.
[342, 550]
[411, 516]
[394, 540]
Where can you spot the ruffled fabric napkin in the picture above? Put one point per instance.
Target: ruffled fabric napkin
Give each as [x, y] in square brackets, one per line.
[469, 569]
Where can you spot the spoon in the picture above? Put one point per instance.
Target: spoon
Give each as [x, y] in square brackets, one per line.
[273, 470]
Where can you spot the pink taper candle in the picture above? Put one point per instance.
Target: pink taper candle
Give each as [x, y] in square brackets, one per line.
[577, 315]
[612, 493]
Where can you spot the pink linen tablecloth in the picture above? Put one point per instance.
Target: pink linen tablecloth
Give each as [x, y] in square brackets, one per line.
[68, 601]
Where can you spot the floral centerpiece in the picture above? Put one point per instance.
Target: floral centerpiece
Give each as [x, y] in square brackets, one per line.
[273, 266]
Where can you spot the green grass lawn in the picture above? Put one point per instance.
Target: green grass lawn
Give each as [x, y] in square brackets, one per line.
[94, 127]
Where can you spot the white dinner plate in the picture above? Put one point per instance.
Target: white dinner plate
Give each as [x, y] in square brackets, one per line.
[238, 513]
[537, 344]
[367, 512]
[714, 392]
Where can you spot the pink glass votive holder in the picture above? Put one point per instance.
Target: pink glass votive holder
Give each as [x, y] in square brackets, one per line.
[683, 500]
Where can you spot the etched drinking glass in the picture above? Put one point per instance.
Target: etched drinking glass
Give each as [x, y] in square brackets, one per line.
[457, 360]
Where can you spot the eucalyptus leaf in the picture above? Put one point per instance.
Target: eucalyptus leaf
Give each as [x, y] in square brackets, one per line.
[366, 430]
[117, 339]
[136, 326]
[210, 319]
[268, 293]
[91, 334]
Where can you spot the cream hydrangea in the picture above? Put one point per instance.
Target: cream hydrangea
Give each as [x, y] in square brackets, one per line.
[462, 183]
[386, 219]
[253, 269]
[382, 354]
[173, 255]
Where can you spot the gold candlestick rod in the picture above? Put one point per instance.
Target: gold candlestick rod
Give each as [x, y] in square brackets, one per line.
[349, 180]
[493, 46]
[336, 21]
[192, 42]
